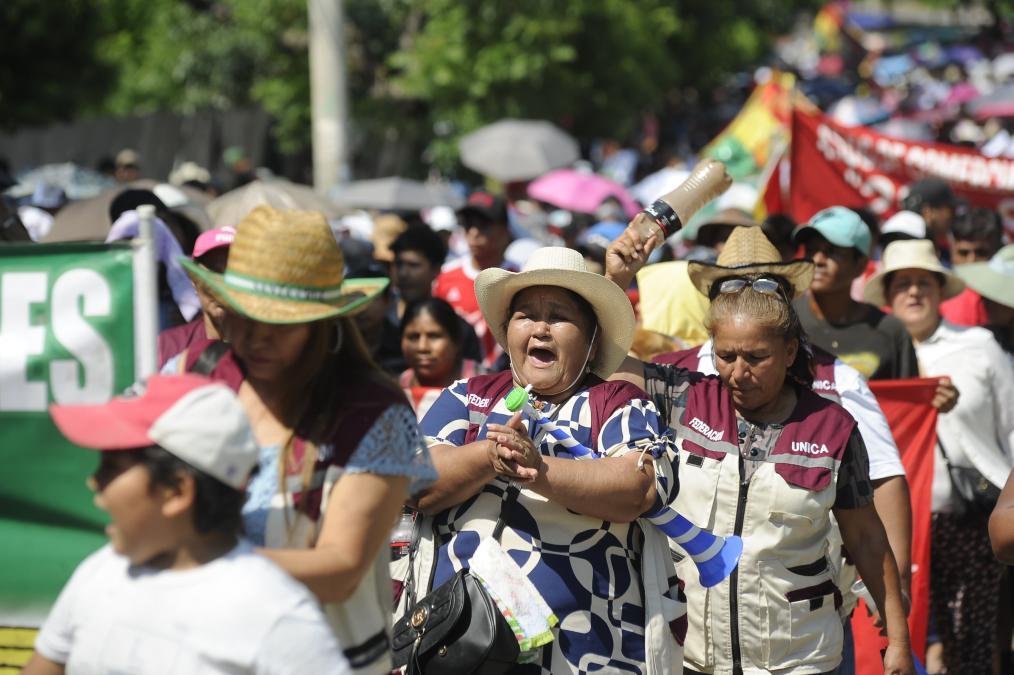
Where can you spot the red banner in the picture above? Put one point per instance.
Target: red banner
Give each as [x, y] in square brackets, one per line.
[834, 165]
[906, 404]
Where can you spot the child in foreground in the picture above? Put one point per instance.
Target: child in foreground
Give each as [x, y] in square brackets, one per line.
[177, 590]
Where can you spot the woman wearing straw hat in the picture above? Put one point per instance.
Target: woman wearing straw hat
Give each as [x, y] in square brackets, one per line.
[975, 440]
[340, 450]
[573, 528]
[749, 252]
[764, 457]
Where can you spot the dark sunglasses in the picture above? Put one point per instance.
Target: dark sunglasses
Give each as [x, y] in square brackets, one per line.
[764, 285]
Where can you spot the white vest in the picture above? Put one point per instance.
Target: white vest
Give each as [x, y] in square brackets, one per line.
[362, 623]
[786, 599]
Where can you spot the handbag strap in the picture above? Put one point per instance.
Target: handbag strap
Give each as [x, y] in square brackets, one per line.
[209, 358]
[510, 498]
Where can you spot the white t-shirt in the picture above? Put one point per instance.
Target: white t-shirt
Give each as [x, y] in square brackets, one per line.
[237, 614]
[860, 402]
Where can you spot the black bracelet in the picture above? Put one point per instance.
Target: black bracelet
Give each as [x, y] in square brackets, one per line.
[665, 217]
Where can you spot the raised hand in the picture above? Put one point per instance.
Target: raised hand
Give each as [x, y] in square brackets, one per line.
[627, 254]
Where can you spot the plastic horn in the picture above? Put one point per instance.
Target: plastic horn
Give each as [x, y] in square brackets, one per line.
[716, 557]
[860, 591]
[665, 216]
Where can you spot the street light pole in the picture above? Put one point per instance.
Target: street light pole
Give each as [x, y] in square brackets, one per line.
[328, 101]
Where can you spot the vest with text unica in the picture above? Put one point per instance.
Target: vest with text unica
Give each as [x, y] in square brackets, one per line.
[779, 609]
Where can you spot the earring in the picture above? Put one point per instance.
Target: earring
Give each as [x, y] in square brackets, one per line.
[339, 337]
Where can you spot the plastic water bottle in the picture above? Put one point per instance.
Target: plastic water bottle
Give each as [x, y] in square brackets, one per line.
[666, 216]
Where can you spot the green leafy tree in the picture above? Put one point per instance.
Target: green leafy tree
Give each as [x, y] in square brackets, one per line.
[594, 66]
[48, 68]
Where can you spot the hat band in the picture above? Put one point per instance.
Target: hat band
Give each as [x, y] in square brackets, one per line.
[281, 291]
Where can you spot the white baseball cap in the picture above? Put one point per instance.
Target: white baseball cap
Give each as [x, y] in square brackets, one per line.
[905, 223]
[199, 421]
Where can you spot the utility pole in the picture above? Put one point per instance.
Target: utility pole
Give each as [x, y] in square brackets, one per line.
[328, 101]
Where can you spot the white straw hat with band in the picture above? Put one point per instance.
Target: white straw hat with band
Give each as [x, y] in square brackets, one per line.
[562, 268]
[286, 267]
[910, 254]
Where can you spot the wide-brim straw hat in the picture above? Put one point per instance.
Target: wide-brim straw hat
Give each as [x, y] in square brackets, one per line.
[909, 254]
[748, 252]
[993, 279]
[286, 267]
[562, 268]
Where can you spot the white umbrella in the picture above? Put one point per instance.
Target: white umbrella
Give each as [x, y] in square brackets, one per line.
[233, 206]
[88, 219]
[394, 194]
[516, 150]
[660, 183]
[77, 182]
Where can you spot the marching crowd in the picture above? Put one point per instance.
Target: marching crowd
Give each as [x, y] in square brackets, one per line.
[329, 387]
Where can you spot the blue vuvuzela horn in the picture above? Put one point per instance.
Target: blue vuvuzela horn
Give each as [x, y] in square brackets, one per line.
[716, 557]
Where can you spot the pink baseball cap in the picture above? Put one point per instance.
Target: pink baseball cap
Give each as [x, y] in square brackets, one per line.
[212, 239]
[199, 421]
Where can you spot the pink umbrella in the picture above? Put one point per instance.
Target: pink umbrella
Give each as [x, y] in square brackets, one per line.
[580, 191]
[962, 92]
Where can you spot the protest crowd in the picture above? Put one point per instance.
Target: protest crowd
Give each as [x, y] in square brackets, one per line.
[747, 409]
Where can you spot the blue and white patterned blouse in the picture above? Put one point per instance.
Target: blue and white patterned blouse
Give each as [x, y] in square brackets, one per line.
[587, 569]
[392, 447]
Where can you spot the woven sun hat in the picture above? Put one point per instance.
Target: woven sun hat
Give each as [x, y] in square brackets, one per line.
[286, 267]
[748, 252]
[563, 268]
[909, 254]
[993, 279]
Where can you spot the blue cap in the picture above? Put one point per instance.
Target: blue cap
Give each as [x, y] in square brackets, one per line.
[840, 226]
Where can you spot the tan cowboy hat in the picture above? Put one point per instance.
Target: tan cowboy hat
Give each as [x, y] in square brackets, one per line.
[748, 252]
[286, 267]
[910, 254]
[563, 268]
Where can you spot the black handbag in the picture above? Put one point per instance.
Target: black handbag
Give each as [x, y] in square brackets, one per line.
[978, 496]
[456, 629]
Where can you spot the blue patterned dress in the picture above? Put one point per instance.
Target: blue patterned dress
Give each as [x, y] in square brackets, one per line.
[588, 570]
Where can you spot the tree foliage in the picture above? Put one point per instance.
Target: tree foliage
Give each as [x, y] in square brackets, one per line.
[593, 66]
[48, 68]
[418, 70]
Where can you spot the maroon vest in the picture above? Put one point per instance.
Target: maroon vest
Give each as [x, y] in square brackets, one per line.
[816, 431]
[173, 341]
[485, 391]
[813, 440]
[359, 409]
[823, 375]
[685, 358]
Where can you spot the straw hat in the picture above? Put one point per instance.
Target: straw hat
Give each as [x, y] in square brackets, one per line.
[563, 268]
[286, 267]
[748, 252]
[993, 279]
[910, 254]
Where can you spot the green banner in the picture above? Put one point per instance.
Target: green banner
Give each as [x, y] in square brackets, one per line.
[66, 336]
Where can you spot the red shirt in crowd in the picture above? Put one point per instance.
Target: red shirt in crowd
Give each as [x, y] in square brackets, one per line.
[966, 309]
[456, 285]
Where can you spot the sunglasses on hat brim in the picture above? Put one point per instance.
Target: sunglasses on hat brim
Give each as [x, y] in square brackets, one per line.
[763, 285]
